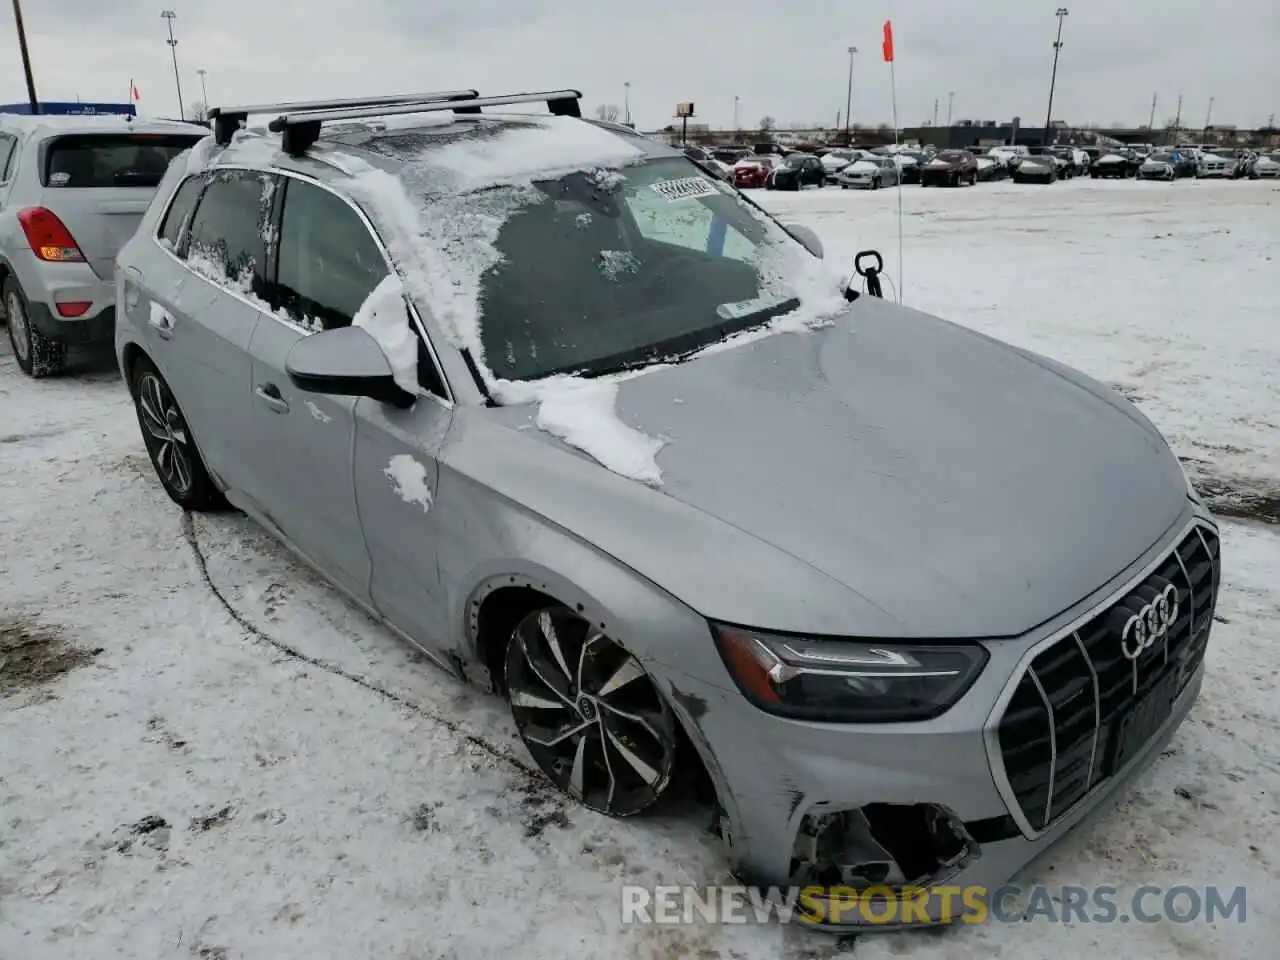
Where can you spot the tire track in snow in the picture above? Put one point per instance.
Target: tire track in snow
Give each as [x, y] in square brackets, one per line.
[532, 777]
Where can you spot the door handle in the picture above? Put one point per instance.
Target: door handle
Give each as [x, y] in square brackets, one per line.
[269, 394]
[162, 321]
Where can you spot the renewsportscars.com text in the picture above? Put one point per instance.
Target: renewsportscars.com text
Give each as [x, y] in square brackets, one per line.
[974, 904]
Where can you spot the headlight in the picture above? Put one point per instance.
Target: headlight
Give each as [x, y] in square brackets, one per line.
[1191, 487]
[848, 681]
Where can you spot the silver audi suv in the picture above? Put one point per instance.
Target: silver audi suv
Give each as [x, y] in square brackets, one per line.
[587, 426]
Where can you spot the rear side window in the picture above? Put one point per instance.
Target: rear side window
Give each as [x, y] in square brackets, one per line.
[8, 153]
[328, 261]
[179, 213]
[226, 242]
[98, 160]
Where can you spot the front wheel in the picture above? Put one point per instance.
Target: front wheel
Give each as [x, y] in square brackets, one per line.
[590, 715]
[169, 443]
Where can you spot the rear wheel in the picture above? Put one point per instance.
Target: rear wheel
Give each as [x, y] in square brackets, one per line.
[37, 355]
[590, 715]
[169, 442]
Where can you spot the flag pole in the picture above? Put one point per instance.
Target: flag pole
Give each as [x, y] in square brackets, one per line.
[893, 92]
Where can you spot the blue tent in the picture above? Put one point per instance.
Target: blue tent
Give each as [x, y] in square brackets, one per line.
[76, 109]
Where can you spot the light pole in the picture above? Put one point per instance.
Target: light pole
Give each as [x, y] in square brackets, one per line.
[26, 58]
[848, 101]
[1060, 13]
[935, 111]
[951, 102]
[626, 101]
[1207, 117]
[1151, 124]
[170, 16]
[204, 90]
[736, 128]
[1177, 121]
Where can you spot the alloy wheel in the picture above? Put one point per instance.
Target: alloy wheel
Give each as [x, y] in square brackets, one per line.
[589, 713]
[19, 332]
[165, 433]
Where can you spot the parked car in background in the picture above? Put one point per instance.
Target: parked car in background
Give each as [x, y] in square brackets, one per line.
[989, 168]
[705, 157]
[950, 168]
[1211, 164]
[72, 191]
[1265, 166]
[1167, 165]
[1115, 164]
[910, 163]
[833, 161]
[753, 171]
[1041, 168]
[870, 173]
[797, 171]
[730, 155]
[1046, 157]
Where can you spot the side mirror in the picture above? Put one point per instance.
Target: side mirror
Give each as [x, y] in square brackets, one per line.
[806, 237]
[345, 362]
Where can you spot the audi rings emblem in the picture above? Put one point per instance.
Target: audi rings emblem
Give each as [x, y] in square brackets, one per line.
[1150, 625]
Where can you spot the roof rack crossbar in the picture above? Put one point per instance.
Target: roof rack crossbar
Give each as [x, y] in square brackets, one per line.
[561, 102]
[226, 120]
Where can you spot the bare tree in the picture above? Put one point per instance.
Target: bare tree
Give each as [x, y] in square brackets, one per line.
[767, 124]
[197, 110]
[609, 112]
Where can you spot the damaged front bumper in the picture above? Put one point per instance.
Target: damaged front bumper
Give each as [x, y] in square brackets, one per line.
[838, 811]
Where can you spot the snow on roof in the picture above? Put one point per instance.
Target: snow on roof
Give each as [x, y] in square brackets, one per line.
[519, 149]
[99, 123]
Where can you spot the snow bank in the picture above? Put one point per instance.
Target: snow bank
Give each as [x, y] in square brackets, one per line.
[583, 414]
[386, 317]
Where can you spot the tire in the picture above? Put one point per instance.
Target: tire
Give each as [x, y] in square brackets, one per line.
[169, 443]
[37, 355]
[591, 717]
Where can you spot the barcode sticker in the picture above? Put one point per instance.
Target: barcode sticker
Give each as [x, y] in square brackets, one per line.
[684, 189]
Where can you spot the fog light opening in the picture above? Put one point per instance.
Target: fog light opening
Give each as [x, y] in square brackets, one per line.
[881, 844]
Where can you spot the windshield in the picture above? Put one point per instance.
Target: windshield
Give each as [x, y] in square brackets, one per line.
[111, 160]
[793, 161]
[608, 271]
[1162, 158]
[952, 156]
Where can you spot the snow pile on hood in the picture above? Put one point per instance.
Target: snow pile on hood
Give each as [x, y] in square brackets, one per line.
[386, 317]
[582, 413]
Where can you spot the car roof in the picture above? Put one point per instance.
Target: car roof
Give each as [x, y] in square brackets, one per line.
[43, 126]
[393, 143]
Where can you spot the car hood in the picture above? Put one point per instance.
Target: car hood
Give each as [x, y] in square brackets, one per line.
[889, 475]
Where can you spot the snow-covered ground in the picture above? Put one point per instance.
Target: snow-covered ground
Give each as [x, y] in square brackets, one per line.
[205, 752]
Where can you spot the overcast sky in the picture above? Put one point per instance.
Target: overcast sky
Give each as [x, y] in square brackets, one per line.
[782, 58]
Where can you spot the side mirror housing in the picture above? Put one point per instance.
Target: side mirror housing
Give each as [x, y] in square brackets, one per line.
[806, 237]
[345, 362]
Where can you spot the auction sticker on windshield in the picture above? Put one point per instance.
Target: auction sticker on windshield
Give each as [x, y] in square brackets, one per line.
[684, 188]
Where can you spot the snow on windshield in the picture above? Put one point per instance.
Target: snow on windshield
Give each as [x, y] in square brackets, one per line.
[442, 217]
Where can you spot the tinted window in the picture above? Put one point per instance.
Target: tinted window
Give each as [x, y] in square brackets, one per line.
[328, 261]
[180, 210]
[112, 160]
[8, 146]
[226, 236]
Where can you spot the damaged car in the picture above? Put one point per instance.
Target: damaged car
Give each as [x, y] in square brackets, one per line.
[698, 510]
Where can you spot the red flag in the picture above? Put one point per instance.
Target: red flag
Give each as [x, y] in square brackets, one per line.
[888, 41]
[136, 94]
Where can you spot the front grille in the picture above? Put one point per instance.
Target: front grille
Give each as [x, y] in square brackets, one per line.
[1061, 732]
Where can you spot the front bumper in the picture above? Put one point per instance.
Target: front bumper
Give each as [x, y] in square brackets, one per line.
[775, 776]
